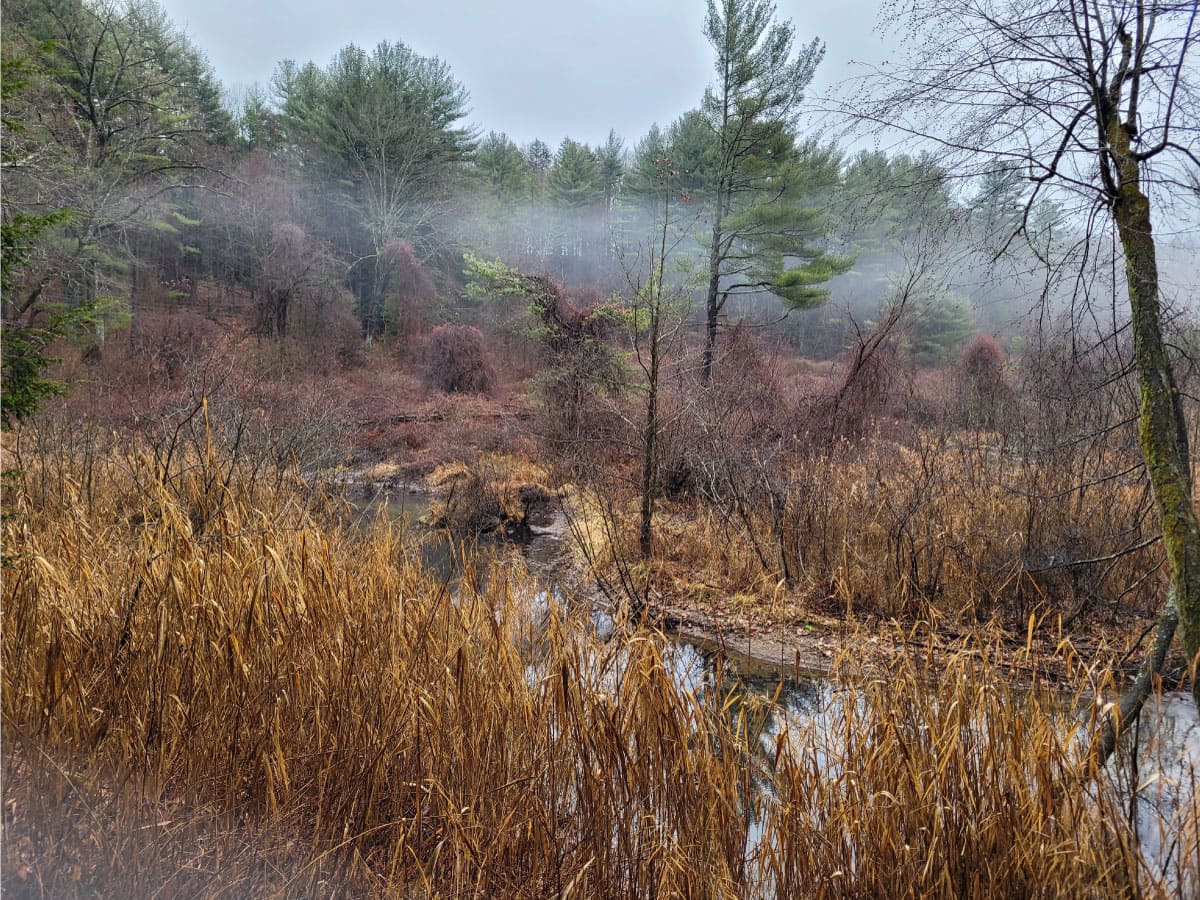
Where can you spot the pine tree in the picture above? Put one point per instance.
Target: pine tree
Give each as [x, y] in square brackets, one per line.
[763, 234]
[385, 124]
[501, 166]
[574, 181]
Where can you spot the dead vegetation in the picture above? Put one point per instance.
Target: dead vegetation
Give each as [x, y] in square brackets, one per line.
[948, 527]
[992, 490]
[250, 702]
[493, 492]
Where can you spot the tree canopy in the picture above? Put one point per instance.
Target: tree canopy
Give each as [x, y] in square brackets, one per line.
[387, 125]
[763, 236]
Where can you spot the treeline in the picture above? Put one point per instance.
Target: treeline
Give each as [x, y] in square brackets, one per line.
[336, 203]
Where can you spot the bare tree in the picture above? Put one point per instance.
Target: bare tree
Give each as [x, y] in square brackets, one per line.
[658, 314]
[1094, 100]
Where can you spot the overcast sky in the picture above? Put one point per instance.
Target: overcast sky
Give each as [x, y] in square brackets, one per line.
[539, 69]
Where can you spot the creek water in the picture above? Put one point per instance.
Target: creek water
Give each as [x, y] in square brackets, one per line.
[1157, 770]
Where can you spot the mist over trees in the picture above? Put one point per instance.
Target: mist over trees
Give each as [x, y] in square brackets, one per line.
[338, 208]
[378, 133]
[901, 389]
[335, 209]
[314, 189]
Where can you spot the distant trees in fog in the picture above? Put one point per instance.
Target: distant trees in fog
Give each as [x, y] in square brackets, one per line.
[348, 191]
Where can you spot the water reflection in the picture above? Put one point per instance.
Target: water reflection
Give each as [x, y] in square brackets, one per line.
[1156, 771]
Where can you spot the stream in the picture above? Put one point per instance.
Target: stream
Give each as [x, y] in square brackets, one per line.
[1162, 773]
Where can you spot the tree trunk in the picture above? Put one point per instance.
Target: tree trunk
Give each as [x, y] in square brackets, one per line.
[1161, 427]
[1126, 711]
[650, 434]
[713, 305]
[649, 451]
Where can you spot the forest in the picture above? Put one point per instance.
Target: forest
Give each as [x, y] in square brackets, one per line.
[793, 500]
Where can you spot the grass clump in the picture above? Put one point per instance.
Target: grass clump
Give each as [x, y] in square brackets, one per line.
[493, 492]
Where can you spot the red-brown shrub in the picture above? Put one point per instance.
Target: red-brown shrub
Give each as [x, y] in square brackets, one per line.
[173, 339]
[874, 377]
[983, 360]
[458, 360]
[984, 387]
[328, 330]
[406, 274]
[410, 292]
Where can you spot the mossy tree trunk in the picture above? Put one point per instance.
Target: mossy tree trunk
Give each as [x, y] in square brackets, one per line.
[1162, 430]
[1101, 102]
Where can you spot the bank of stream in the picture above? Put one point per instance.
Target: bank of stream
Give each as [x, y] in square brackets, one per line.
[1157, 771]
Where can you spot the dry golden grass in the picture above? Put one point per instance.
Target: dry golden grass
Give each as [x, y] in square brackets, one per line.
[693, 557]
[207, 691]
[493, 490]
[947, 782]
[950, 529]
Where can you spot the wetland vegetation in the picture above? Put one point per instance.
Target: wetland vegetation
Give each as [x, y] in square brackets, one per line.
[390, 510]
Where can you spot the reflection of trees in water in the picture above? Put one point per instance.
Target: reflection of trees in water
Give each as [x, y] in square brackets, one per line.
[756, 708]
[1156, 771]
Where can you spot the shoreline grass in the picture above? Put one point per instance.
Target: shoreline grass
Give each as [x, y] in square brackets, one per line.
[208, 690]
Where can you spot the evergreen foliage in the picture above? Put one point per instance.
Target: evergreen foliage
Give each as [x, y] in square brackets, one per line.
[761, 230]
[574, 180]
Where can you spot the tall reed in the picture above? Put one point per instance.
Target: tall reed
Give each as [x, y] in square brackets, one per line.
[212, 689]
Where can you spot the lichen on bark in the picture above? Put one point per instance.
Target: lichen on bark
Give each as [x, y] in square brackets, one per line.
[1161, 429]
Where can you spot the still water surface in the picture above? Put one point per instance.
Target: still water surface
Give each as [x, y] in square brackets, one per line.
[1157, 771]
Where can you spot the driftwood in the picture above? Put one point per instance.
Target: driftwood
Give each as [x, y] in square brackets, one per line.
[416, 418]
